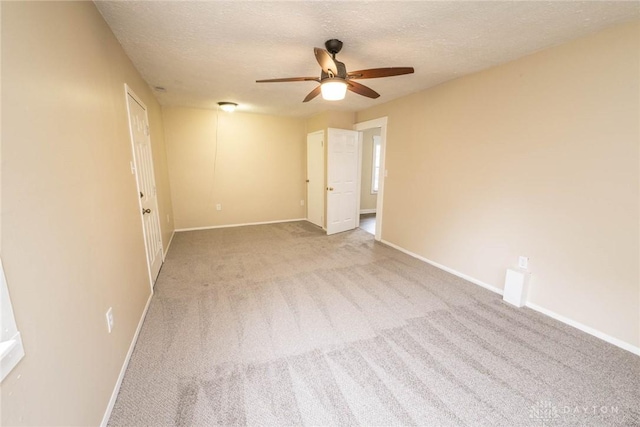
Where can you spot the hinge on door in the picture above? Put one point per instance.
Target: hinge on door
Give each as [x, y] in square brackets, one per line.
[133, 168]
[321, 143]
[146, 130]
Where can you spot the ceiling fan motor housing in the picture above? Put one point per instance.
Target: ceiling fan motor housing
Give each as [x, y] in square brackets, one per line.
[333, 46]
[342, 71]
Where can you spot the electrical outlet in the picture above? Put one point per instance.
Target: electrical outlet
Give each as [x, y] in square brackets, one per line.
[302, 202]
[523, 262]
[218, 207]
[110, 319]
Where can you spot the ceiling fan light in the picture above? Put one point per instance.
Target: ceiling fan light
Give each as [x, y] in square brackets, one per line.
[229, 107]
[333, 89]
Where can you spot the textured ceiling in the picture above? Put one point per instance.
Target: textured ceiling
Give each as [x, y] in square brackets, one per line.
[205, 52]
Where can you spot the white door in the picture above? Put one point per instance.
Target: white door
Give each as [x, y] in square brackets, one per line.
[315, 178]
[342, 180]
[143, 166]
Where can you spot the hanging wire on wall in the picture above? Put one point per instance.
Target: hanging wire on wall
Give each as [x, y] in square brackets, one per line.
[230, 108]
[215, 153]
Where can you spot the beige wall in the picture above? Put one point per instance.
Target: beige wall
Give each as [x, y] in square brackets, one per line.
[538, 157]
[330, 119]
[367, 200]
[318, 122]
[72, 242]
[259, 171]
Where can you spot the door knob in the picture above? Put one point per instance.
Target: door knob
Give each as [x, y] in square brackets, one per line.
[146, 211]
[330, 188]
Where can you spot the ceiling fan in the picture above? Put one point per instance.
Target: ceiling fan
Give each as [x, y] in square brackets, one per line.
[335, 80]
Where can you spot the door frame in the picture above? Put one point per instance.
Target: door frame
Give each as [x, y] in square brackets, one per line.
[134, 171]
[323, 178]
[381, 123]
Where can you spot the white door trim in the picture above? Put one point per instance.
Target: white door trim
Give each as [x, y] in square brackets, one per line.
[382, 124]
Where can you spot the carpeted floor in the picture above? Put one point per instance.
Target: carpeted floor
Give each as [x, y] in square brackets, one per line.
[368, 223]
[281, 325]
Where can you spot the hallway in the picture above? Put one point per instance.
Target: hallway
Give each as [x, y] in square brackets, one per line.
[368, 223]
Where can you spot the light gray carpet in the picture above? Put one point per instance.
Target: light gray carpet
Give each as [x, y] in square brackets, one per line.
[368, 223]
[281, 325]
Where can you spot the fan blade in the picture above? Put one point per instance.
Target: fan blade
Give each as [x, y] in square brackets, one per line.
[374, 73]
[290, 79]
[312, 94]
[362, 90]
[326, 62]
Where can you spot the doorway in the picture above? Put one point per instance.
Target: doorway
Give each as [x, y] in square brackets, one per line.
[373, 134]
[369, 179]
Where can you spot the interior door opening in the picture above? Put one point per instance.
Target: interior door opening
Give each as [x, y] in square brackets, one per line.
[369, 179]
[373, 172]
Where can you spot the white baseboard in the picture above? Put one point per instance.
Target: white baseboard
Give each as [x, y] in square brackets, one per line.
[584, 328]
[447, 269]
[116, 389]
[166, 250]
[367, 211]
[240, 225]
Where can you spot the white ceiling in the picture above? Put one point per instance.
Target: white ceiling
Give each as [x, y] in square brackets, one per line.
[205, 52]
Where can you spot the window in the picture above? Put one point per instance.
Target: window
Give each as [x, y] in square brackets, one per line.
[375, 169]
[11, 350]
